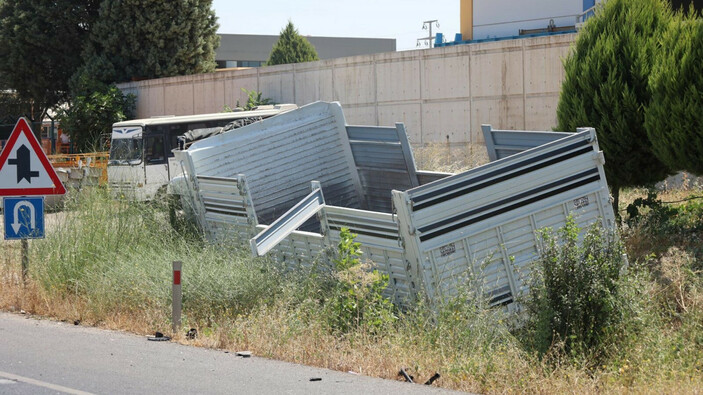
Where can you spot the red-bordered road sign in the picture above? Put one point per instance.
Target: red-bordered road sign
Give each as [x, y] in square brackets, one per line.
[24, 168]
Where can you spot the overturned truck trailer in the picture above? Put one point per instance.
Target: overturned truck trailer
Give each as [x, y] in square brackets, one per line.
[287, 185]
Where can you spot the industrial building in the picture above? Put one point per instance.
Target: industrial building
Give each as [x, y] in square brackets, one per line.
[488, 20]
[247, 50]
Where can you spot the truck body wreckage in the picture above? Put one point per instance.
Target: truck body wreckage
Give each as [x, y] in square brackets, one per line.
[287, 185]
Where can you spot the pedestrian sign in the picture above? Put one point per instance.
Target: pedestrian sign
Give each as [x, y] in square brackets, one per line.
[24, 168]
[24, 217]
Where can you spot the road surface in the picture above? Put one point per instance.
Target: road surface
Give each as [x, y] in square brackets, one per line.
[47, 357]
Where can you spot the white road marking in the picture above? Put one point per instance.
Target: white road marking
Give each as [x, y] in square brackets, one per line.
[42, 384]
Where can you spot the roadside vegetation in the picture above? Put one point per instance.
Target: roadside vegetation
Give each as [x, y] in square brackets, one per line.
[592, 325]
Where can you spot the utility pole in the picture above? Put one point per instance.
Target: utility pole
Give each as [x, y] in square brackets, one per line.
[428, 25]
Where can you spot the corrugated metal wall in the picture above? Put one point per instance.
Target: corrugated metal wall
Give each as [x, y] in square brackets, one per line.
[503, 143]
[281, 155]
[384, 162]
[480, 225]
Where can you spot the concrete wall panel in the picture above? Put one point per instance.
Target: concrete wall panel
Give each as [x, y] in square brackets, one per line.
[355, 84]
[446, 77]
[505, 113]
[208, 93]
[448, 122]
[313, 85]
[513, 84]
[178, 97]
[278, 82]
[544, 71]
[150, 101]
[541, 112]
[398, 78]
[234, 82]
[361, 115]
[496, 71]
[410, 114]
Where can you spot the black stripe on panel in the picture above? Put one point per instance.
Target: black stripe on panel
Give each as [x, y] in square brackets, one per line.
[416, 205]
[507, 200]
[365, 233]
[230, 213]
[363, 226]
[225, 209]
[534, 199]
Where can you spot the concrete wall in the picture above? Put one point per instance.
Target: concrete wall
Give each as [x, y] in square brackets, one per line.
[441, 94]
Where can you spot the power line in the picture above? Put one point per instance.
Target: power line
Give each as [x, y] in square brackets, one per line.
[429, 39]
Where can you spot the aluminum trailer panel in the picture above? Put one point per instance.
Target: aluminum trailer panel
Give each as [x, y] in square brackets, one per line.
[437, 234]
[481, 224]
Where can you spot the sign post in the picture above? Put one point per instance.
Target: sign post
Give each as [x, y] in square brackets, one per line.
[177, 297]
[25, 171]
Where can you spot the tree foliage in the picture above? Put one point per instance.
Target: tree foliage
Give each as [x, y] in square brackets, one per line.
[291, 47]
[142, 39]
[40, 46]
[674, 119]
[92, 113]
[72, 51]
[606, 87]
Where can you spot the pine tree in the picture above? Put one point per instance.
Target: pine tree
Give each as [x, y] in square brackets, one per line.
[606, 87]
[143, 39]
[291, 47]
[674, 119]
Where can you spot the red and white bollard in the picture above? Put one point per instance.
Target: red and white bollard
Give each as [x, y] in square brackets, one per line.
[177, 296]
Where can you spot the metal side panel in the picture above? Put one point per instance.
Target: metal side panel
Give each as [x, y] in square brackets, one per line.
[281, 155]
[288, 222]
[503, 143]
[478, 228]
[426, 177]
[227, 210]
[380, 242]
[384, 162]
[300, 250]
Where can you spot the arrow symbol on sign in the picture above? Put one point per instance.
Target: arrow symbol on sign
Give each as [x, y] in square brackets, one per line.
[24, 167]
[17, 225]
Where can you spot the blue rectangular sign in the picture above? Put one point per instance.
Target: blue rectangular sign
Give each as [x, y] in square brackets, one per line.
[24, 217]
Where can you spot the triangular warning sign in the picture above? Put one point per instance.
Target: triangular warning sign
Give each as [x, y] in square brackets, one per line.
[24, 168]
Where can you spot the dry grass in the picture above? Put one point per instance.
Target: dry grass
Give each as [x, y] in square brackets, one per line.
[449, 159]
[473, 352]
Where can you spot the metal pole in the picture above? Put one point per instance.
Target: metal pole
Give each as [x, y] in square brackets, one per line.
[177, 296]
[25, 260]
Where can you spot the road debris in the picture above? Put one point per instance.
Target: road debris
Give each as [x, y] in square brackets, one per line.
[405, 374]
[158, 337]
[432, 379]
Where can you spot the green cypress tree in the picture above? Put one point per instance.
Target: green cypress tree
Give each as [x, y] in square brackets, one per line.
[606, 87]
[674, 119]
[291, 47]
[142, 39]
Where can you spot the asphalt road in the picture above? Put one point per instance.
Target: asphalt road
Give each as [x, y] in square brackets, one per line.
[46, 357]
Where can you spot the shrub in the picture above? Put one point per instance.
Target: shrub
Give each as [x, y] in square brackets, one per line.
[357, 296]
[575, 293]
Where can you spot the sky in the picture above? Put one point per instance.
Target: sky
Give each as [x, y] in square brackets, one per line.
[397, 19]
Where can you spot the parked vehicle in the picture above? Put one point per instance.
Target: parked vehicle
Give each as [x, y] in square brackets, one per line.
[289, 184]
[141, 161]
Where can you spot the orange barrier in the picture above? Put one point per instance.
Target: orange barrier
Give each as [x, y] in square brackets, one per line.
[76, 161]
